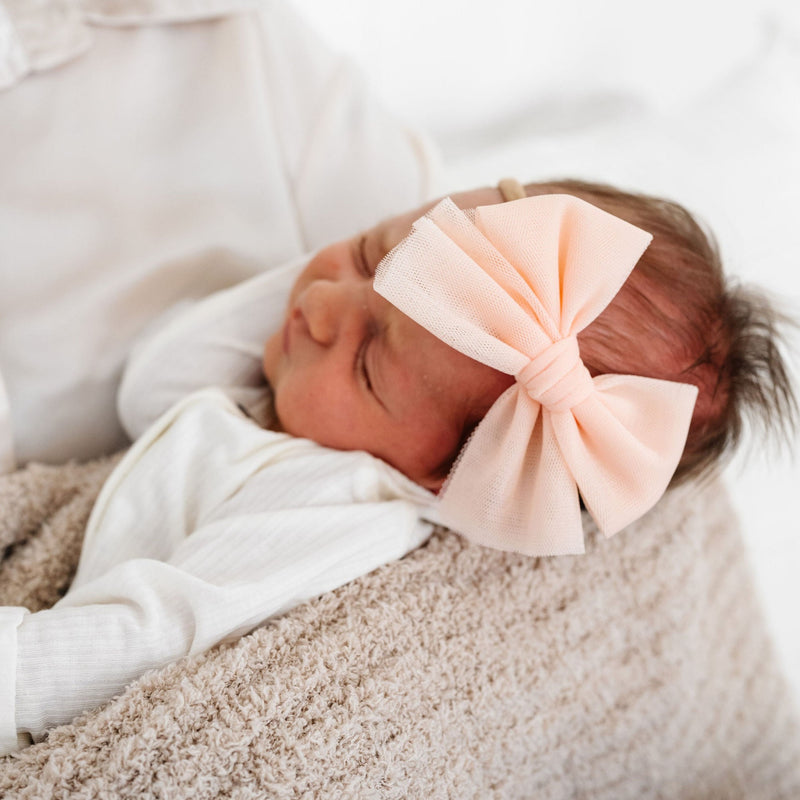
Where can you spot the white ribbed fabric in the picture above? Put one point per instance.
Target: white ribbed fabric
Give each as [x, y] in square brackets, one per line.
[511, 285]
[207, 527]
[10, 619]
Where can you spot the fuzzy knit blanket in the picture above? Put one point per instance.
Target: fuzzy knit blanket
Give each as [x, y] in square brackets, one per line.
[640, 670]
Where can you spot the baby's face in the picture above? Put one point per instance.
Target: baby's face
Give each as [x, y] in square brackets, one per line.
[352, 372]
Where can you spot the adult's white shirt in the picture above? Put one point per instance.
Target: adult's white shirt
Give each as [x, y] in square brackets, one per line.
[156, 152]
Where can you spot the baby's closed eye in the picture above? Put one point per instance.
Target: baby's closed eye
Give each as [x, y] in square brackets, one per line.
[366, 267]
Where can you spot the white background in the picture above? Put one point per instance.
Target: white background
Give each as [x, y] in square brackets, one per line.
[697, 100]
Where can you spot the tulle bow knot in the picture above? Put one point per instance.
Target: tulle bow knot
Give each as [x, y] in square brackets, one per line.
[512, 285]
[557, 378]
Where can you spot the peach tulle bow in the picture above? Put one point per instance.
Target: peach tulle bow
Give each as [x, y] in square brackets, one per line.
[511, 285]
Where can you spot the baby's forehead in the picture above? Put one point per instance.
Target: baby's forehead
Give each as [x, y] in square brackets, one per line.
[388, 233]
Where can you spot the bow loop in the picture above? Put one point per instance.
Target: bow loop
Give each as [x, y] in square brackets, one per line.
[525, 277]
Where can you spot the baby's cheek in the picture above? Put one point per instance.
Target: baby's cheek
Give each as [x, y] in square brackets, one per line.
[324, 415]
[271, 358]
[290, 414]
[299, 409]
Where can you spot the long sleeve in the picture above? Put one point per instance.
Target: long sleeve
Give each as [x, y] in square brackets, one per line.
[10, 619]
[218, 341]
[209, 526]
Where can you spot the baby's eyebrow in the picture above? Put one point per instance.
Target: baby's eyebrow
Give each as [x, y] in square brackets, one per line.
[368, 243]
[384, 240]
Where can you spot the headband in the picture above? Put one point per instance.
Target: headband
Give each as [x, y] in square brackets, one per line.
[511, 285]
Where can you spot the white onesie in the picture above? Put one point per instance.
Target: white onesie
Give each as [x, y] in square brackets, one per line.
[208, 526]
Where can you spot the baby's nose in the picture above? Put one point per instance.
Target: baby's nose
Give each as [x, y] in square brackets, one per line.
[331, 308]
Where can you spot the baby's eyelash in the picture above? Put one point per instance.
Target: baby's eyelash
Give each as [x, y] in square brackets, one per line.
[361, 363]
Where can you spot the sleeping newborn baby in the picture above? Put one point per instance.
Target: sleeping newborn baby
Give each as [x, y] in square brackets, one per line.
[490, 369]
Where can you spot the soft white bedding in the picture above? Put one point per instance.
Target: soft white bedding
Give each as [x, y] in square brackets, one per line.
[698, 100]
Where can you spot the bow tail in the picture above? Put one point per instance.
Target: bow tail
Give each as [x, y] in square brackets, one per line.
[623, 444]
[511, 488]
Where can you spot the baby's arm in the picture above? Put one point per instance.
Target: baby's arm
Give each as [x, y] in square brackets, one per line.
[207, 527]
[217, 341]
[146, 614]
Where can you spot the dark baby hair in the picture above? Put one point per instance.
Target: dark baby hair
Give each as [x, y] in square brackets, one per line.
[678, 317]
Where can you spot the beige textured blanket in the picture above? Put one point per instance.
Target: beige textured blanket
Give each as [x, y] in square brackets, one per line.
[641, 670]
